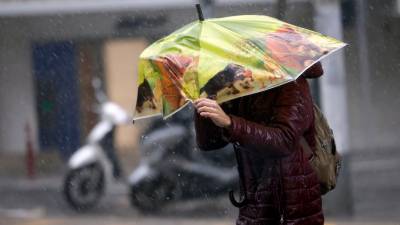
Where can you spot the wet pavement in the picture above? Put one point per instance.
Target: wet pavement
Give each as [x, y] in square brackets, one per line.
[40, 202]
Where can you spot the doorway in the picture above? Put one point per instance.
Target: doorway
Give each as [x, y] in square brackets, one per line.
[57, 97]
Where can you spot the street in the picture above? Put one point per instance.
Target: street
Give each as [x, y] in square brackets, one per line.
[40, 202]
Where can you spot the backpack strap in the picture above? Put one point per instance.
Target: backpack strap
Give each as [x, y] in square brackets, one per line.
[303, 142]
[307, 148]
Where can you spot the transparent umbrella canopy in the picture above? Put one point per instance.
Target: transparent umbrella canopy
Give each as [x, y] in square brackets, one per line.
[225, 58]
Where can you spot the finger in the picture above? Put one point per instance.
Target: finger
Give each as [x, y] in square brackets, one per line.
[209, 103]
[207, 109]
[209, 115]
[199, 100]
[196, 102]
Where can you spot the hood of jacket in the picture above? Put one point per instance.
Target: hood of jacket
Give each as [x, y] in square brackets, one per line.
[314, 71]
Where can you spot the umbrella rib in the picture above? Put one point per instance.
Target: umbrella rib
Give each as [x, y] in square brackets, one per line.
[238, 35]
[252, 45]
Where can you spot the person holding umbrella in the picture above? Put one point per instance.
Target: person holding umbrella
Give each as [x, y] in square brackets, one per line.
[278, 184]
[246, 77]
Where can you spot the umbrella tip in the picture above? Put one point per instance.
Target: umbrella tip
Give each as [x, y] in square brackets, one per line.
[199, 12]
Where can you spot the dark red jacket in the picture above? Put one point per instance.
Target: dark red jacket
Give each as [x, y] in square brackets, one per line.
[266, 127]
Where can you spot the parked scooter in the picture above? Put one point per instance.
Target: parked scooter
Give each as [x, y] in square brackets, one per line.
[172, 169]
[95, 165]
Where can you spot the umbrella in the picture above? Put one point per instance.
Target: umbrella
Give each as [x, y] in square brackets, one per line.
[224, 58]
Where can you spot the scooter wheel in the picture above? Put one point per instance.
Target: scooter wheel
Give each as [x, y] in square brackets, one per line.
[83, 187]
[150, 195]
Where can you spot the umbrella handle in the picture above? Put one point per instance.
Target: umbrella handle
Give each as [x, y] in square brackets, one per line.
[212, 97]
[243, 201]
[199, 12]
[237, 204]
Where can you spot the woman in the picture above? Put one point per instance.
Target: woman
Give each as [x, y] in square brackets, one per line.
[277, 180]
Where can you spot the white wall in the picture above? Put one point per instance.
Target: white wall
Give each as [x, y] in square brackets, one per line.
[374, 108]
[17, 100]
[333, 83]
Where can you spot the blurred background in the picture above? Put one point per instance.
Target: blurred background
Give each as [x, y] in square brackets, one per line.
[62, 61]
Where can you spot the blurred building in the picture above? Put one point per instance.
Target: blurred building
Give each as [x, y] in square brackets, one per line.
[51, 49]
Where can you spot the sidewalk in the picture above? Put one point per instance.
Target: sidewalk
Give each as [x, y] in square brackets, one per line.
[40, 201]
[42, 198]
[45, 164]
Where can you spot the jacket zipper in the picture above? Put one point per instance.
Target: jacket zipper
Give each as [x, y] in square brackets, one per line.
[281, 210]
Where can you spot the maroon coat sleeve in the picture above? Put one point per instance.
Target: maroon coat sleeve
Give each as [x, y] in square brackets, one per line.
[208, 135]
[292, 116]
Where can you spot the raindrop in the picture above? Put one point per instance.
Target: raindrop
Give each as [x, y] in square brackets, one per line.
[371, 7]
